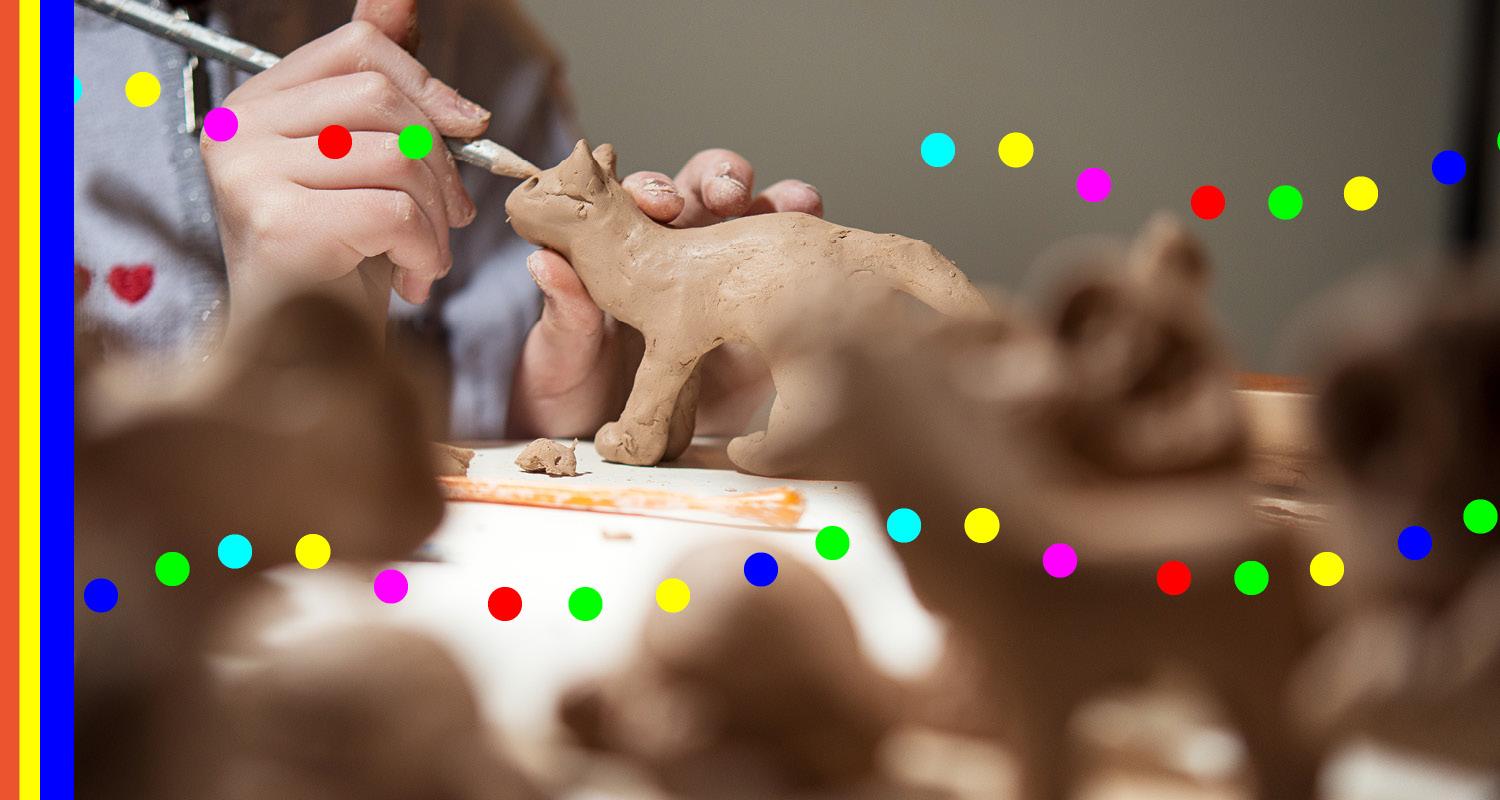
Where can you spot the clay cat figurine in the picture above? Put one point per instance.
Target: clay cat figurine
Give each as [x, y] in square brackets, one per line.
[690, 290]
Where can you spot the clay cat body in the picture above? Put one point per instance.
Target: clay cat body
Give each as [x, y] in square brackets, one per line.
[690, 290]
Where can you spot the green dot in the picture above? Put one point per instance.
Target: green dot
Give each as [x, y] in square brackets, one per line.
[1479, 516]
[415, 141]
[172, 568]
[1285, 202]
[585, 603]
[1251, 578]
[832, 543]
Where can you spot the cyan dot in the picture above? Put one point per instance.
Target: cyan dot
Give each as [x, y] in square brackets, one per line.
[1448, 167]
[938, 149]
[100, 595]
[903, 525]
[234, 551]
[77, 89]
[1414, 543]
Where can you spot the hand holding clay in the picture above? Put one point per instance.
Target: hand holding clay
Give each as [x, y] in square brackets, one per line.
[571, 376]
[290, 213]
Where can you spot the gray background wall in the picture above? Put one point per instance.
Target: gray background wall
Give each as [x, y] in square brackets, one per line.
[1165, 95]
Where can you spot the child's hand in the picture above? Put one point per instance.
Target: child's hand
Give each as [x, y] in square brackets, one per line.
[571, 377]
[288, 213]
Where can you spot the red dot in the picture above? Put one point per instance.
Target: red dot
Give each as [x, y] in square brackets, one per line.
[335, 141]
[1208, 202]
[505, 604]
[1174, 578]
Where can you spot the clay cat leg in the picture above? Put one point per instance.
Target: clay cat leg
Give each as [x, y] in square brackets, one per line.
[781, 450]
[641, 434]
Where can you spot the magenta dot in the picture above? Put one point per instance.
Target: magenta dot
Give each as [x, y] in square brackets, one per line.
[1093, 185]
[220, 124]
[1060, 560]
[390, 586]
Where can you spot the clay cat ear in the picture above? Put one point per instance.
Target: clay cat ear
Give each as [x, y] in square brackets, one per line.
[1166, 252]
[605, 155]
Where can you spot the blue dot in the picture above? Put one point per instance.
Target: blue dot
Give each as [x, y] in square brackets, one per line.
[1414, 543]
[100, 595]
[1448, 167]
[760, 569]
[77, 89]
[903, 525]
[234, 551]
[938, 149]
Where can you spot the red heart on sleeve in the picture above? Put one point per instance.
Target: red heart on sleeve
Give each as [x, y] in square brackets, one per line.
[131, 283]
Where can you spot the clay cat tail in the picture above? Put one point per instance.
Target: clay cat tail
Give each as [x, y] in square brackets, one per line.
[918, 269]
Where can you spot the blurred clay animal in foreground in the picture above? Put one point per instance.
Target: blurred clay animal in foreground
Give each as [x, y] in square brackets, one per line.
[1409, 410]
[689, 291]
[296, 425]
[751, 692]
[1108, 424]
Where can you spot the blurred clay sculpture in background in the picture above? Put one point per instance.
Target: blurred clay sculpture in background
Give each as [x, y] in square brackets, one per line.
[1107, 436]
[689, 291]
[751, 692]
[295, 426]
[1410, 415]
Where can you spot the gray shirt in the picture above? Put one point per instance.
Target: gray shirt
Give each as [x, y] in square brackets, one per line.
[149, 270]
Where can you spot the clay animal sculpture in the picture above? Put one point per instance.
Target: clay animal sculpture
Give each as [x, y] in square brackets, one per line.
[295, 426]
[1409, 408]
[752, 692]
[1107, 429]
[688, 291]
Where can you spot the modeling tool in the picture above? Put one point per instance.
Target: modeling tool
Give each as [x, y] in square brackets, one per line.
[209, 43]
[780, 507]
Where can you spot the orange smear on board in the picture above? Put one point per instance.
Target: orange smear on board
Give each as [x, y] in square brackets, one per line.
[780, 507]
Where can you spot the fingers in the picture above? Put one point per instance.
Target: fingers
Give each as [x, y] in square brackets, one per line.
[715, 184]
[363, 102]
[374, 162]
[788, 195]
[373, 222]
[360, 47]
[655, 194]
[568, 312]
[395, 19]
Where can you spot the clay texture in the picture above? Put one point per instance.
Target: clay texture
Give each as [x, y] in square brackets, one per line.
[690, 290]
[553, 458]
[1106, 422]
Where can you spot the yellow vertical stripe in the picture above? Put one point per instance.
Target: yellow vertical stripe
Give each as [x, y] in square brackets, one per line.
[30, 362]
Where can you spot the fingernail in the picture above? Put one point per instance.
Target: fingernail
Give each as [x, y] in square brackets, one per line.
[468, 109]
[533, 266]
[657, 186]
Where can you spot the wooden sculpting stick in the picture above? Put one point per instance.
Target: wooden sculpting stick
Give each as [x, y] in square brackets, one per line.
[780, 507]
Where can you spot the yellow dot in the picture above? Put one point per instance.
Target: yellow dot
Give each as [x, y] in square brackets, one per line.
[1361, 193]
[313, 551]
[982, 525]
[142, 89]
[672, 595]
[1327, 569]
[1016, 150]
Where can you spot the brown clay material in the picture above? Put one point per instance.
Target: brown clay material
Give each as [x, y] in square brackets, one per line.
[554, 458]
[450, 460]
[1108, 424]
[690, 290]
[768, 686]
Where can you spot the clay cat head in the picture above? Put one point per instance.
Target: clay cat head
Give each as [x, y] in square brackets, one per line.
[547, 209]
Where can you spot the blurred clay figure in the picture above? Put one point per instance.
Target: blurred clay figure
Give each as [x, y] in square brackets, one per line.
[296, 426]
[1106, 430]
[751, 692]
[1410, 414]
[364, 713]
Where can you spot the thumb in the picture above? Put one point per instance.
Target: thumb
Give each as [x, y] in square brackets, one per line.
[568, 312]
[397, 19]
